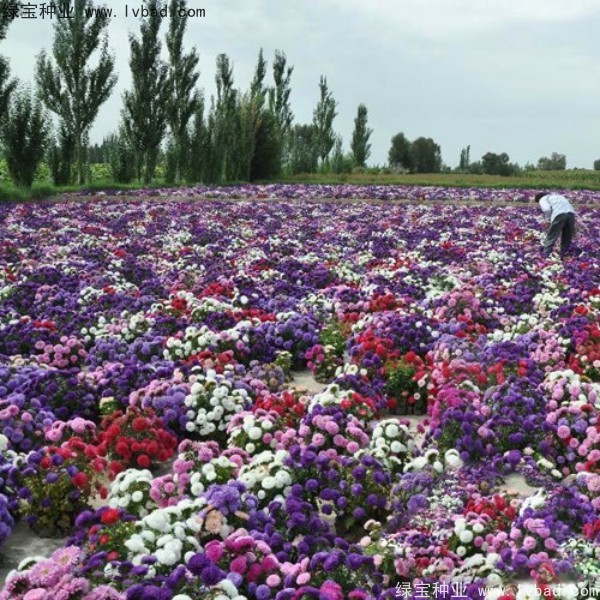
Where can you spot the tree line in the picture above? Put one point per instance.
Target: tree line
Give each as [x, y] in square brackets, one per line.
[236, 136]
[165, 119]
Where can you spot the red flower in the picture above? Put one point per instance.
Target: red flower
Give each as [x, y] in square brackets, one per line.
[143, 461]
[139, 424]
[110, 516]
[79, 479]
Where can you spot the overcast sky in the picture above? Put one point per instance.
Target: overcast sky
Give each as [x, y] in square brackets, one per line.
[514, 76]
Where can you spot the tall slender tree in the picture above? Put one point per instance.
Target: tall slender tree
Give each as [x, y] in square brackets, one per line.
[71, 88]
[146, 105]
[195, 167]
[361, 149]
[252, 116]
[279, 103]
[183, 75]
[323, 117]
[223, 126]
[7, 85]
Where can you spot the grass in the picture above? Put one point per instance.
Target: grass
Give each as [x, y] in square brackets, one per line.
[572, 179]
[575, 179]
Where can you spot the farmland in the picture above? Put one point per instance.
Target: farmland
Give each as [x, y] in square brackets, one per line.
[155, 417]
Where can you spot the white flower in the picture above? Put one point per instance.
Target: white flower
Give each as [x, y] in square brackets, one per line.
[460, 525]
[391, 430]
[136, 544]
[137, 496]
[396, 447]
[269, 483]
[255, 433]
[466, 537]
[453, 459]
[157, 520]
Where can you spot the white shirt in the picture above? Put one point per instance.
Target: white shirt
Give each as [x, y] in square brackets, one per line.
[554, 205]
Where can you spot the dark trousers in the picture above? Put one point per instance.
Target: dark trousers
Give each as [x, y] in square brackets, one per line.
[563, 226]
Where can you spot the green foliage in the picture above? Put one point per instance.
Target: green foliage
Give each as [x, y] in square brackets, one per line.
[266, 162]
[25, 135]
[556, 162]
[284, 360]
[597, 165]
[10, 193]
[340, 163]
[465, 160]
[399, 383]
[332, 335]
[60, 155]
[146, 105]
[70, 88]
[222, 150]
[361, 149]
[323, 116]
[279, 103]
[304, 149]
[121, 158]
[426, 156]
[6, 85]
[399, 156]
[195, 166]
[497, 164]
[185, 99]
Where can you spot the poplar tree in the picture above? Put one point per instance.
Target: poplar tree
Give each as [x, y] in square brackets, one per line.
[279, 102]
[223, 127]
[361, 149]
[6, 85]
[323, 117]
[146, 105]
[71, 88]
[196, 167]
[25, 134]
[183, 76]
[251, 117]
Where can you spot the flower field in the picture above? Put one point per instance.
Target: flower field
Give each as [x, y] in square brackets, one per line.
[148, 412]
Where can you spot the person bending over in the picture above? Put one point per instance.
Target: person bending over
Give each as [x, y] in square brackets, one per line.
[561, 216]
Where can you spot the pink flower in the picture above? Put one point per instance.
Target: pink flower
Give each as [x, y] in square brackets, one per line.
[269, 563]
[331, 427]
[339, 440]
[330, 590]
[36, 594]
[318, 439]
[238, 565]
[352, 447]
[273, 580]
[303, 578]
[529, 543]
[550, 544]
[213, 551]
[563, 432]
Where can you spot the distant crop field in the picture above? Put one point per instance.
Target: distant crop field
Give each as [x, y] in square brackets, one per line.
[575, 179]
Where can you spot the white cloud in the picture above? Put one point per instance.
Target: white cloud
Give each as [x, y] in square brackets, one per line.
[445, 19]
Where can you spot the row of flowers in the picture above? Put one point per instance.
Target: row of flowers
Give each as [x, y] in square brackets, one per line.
[303, 192]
